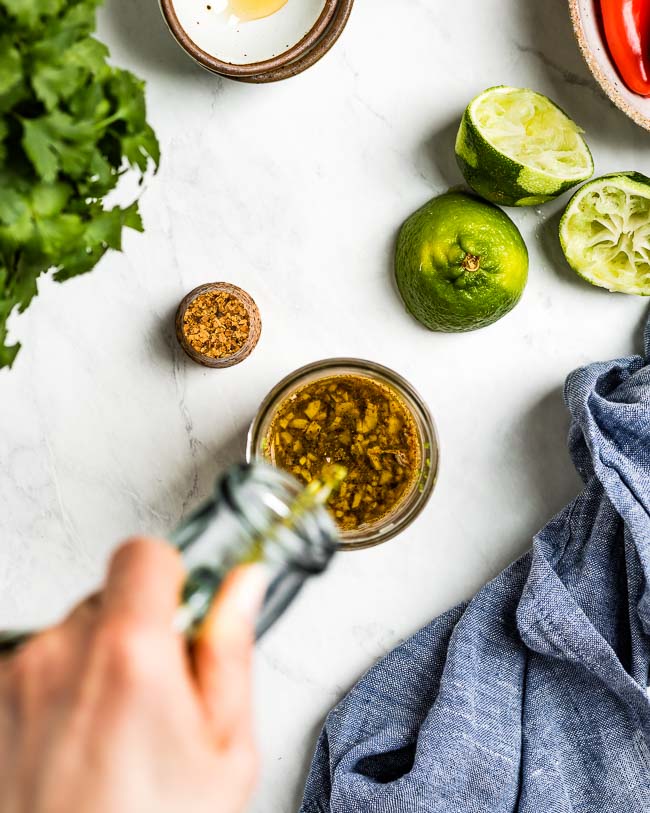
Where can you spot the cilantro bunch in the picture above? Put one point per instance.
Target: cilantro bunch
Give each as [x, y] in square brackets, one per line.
[70, 126]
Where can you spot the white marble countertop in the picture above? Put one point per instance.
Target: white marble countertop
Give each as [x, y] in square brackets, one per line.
[295, 192]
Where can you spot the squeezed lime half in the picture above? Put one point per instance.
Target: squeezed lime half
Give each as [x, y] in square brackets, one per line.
[605, 233]
[515, 147]
[460, 264]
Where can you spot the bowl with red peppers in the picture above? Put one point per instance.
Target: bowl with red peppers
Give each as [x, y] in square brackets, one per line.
[614, 38]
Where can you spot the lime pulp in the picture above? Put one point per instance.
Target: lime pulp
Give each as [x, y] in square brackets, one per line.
[605, 233]
[515, 147]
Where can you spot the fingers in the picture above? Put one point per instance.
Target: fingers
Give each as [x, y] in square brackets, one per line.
[143, 583]
[223, 655]
[82, 614]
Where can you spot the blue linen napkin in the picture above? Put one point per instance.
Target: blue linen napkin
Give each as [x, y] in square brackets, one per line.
[531, 697]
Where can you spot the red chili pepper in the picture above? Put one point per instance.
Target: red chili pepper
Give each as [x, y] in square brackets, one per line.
[627, 29]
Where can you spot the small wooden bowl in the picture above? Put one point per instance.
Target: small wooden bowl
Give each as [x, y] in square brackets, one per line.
[587, 24]
[253, 334]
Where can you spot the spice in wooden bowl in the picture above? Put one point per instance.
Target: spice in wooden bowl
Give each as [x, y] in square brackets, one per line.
[218, 324]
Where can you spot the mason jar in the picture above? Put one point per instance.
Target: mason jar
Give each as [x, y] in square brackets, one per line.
[424, 478]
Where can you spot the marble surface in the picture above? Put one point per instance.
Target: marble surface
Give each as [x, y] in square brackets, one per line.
[295, 192]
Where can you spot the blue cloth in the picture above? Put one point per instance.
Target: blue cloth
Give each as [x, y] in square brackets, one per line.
[531, 697]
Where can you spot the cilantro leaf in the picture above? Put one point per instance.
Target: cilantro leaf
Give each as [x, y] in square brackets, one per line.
[71, 125]
[37, 146]
[11, 69]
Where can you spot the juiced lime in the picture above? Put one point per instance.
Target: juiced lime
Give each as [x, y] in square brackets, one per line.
[605, 233]
[516, 148]
[461, 263]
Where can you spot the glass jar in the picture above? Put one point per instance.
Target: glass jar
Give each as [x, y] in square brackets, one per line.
[416, 497]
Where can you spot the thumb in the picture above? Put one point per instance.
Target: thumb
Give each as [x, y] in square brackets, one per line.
[223, 654]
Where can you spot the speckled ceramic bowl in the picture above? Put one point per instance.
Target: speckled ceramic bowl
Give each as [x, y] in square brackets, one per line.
[265, 50]
[587, 25]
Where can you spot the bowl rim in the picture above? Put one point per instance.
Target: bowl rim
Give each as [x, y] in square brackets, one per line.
[599, 75]
[419, 496]
[322, 47]
[251, 69]
[253, 335]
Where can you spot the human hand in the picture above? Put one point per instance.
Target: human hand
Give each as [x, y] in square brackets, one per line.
[108, 712]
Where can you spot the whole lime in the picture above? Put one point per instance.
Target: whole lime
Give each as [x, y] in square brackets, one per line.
[461, 263]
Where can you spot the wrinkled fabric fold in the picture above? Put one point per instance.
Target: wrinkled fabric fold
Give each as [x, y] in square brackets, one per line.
[533, 696]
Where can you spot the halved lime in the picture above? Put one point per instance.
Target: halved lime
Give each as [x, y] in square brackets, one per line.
[605, 233]
[515, 147]
[461, 263]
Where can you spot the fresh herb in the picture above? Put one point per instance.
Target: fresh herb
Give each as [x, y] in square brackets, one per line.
[70, 126]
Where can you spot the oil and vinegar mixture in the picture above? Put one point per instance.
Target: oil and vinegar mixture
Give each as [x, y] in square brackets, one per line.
[357, 423]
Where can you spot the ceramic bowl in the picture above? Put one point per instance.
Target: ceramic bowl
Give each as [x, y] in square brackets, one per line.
[587, 25]
[289, 69]
[265, 50]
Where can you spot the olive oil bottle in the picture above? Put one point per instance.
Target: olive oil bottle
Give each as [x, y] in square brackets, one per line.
[256, 514]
